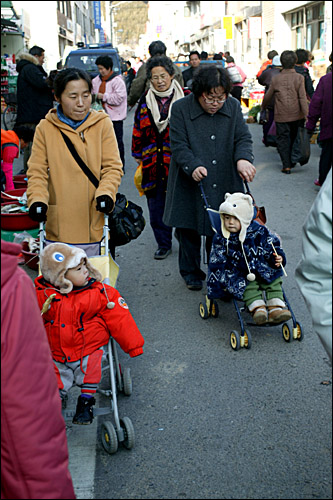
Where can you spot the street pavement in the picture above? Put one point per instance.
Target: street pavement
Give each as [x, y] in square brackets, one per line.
[211, 422]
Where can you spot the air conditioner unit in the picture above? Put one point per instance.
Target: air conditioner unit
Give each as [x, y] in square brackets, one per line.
[70, 25]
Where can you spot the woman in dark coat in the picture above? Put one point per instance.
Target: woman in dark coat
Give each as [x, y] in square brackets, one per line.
[210, 142]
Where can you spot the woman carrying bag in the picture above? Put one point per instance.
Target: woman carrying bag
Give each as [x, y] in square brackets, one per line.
[59, 192]
[151, 144]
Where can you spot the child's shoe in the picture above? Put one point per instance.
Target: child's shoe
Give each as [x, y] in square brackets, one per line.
[258, 311]
[277, 311]
[84, 414]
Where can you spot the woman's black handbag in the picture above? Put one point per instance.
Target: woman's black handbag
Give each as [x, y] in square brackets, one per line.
[126, 222]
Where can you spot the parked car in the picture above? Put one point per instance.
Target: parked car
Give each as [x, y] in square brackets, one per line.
[85, 56]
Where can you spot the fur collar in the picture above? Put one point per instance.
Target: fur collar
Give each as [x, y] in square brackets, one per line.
[25, 56]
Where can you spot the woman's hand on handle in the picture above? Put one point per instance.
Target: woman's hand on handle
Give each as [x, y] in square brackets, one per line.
[246, 170]
[199, 173]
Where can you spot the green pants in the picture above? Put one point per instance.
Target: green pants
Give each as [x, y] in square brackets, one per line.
[254, 291]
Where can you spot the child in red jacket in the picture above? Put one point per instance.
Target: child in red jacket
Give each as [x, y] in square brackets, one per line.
[79, 321]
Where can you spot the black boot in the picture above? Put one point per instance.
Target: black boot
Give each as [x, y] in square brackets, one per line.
[84, 414]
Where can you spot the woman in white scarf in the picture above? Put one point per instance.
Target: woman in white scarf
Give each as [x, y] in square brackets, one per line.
[151, 143]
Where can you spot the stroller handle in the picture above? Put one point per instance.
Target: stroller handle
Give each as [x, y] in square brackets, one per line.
[105, 233]
[204, 196]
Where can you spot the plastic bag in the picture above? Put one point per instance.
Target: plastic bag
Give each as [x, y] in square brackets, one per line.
[301, 148]
[138, 179]
[97, 105]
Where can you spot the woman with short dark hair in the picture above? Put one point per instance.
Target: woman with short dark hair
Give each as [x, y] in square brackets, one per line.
[211, 144]
[110, 89]
[290, 107]
[59, 192]
[151, 143]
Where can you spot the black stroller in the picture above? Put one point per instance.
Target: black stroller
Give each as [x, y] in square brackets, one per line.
[210, 308]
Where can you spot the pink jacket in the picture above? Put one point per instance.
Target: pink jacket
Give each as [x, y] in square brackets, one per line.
[34, 455]
[114, 98]
[241, 72]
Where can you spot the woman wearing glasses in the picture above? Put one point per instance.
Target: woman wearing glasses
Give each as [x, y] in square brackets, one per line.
[210, 143]
[151, 143]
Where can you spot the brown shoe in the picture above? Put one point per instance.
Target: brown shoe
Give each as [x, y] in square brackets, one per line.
[259, 315]
[277, 314]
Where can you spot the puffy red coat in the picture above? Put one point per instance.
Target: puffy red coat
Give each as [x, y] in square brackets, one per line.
[79, 322]
[34, 456]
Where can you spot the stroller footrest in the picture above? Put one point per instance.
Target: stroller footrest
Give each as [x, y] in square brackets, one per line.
[102, 411]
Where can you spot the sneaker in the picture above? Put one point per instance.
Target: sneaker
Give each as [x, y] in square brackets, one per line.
[317, 183]
[162, 253]
[84, 413]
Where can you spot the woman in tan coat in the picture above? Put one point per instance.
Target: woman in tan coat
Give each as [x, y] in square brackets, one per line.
[58, 190]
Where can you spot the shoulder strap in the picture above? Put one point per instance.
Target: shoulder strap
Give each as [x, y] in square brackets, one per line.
[79, 160]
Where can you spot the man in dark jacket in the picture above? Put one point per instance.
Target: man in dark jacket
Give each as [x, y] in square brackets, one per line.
[302, 58]
[141, 83]
[34, 96]
[265, 79]
[211, 144]
[188, 73]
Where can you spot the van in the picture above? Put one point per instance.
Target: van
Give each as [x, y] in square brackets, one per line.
[85, 56]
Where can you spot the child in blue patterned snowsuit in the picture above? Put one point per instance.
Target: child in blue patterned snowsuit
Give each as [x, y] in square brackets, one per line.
[244, 264]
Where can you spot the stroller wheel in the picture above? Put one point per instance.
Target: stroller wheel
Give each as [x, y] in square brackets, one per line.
[214, 310]
[298, 332]
[127, 426]
[203, 311]
[247, 340]
[286, 333]
[127, 382]
[109, 438]
[235, 340]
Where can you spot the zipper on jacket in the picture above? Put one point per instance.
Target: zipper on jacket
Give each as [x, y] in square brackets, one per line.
[81, 329]
[82, 137]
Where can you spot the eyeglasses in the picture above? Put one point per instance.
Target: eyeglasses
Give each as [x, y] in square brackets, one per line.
[160, 77]
[209, 100]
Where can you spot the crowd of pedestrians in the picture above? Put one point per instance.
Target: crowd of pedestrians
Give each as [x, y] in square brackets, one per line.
[189, 134]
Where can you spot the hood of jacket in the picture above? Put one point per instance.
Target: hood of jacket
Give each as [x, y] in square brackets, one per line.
[94, 117]
[9, 259]
[25, 59]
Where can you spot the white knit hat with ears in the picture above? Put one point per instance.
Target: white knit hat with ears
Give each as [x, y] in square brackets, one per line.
[238, 205]
[57, 258]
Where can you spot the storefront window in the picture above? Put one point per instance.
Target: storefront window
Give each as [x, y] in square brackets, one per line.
[308, 37]
[299, 43]
[321, 35]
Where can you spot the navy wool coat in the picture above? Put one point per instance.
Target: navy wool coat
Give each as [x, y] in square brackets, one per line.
[198, 139]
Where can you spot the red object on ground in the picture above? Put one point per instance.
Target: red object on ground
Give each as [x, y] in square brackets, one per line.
[14, 222]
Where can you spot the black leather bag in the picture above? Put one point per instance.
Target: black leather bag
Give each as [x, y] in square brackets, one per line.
[126, 222]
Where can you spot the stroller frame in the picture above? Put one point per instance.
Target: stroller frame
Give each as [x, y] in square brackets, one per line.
[120, 380]
[210, 306]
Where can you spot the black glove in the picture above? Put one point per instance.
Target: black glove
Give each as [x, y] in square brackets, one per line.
[105, 204]
[37, 211]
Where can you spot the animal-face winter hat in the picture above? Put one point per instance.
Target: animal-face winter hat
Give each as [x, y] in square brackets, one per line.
[57, 258]
[238, 205]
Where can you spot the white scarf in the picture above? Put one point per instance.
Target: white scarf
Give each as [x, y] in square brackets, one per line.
[153, 105]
